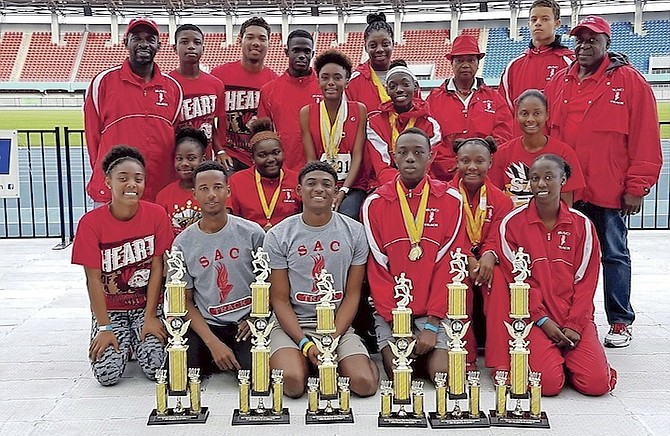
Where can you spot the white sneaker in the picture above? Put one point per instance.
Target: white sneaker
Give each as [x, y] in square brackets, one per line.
[619, 335]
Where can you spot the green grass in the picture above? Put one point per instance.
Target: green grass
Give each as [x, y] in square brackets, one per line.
[664, 115]
[42, 120]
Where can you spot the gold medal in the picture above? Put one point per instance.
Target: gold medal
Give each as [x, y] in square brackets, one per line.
[415, 252]
[268, 209]
[268, 226]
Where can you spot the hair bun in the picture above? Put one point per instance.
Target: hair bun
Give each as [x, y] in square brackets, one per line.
[374, 17]
[261, 125]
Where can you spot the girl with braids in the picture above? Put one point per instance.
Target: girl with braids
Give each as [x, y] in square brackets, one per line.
[177, 197]
[264, 193]
[565, 254]
[403, 111]
[120, 245]
[484, 205]
[513, 160]
[334, 131]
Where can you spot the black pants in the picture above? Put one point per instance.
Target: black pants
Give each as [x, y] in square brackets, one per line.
[199, 355]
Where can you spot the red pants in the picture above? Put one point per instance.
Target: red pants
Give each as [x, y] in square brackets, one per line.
[586, 365]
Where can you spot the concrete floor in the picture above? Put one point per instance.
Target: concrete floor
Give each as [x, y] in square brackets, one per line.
[46, 386]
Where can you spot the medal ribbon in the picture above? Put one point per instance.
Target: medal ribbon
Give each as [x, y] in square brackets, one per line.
[381, 90]
[393, 120]
[474, 223]
[331, 135]
[413, 225]
[268, 210]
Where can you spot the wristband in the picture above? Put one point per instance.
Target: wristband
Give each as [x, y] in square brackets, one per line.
[220, 152]
[541, 321]
[105, 328]
[345, 189]
[302, 342]
[308, 345]
[430, 327]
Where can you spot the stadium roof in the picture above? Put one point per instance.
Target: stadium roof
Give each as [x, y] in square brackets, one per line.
[197, 8]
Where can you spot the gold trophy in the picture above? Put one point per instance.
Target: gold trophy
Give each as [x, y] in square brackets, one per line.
[523, 385]
[179, 381]
[327, 386]
[260, 382]
[402, 391]
[455, 385]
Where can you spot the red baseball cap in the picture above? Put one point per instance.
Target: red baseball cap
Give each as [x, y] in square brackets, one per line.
[465, 45]
[142, 21]
[594, 24]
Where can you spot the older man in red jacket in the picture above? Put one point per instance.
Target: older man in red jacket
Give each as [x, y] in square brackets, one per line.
[602, 107]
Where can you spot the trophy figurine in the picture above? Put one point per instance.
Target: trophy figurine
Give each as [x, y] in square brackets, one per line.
[456, 385]
[523, 384]
[259, 381]
[180, 381]
[328, 386]
[402, 391]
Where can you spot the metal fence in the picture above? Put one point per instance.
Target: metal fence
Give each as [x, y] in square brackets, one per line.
[54, 168]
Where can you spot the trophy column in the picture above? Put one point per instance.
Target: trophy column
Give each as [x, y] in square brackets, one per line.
[520, 375]
[260, 382]
[402, 391]
[328, 386]
[455, 386]
[180, 381]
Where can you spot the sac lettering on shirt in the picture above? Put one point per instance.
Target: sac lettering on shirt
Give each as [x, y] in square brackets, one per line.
[319, 263]
[222, 282]
[127, 253]
[198, 106]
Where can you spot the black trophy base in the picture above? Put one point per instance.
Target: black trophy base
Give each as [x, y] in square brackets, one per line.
[509, 419]
[334, 417]
[463, 421]
[178, 418]
[267, 416]
[406, 420]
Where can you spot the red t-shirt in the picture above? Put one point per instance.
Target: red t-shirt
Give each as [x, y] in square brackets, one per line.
[512, 162]
[180, 205]
[122, 251]
[204, 100]
[242, 97]
[346, 147]
[244, 200]
[281, 101]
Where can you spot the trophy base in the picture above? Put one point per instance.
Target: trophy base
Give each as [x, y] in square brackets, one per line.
[178, 418]
[266, 417]
[511, 420]
[335, 417]
[408, 420]
[464, 421]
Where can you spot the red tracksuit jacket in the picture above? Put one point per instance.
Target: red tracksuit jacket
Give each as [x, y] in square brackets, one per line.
[565, 263]
[443, 232]
[619, 146]
[378, 145]
[281, 101]
[487, 115]
[533, 69]
[121, 109]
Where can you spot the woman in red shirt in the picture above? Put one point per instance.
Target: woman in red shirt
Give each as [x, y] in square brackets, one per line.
[484, 205]
[565, 265]
[177, 197]
[333, 131]
[120, 245]
[264, 193]
[514, 158]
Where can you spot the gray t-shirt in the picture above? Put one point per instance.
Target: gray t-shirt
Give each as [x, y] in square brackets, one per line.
[306, 250]
[218, 268]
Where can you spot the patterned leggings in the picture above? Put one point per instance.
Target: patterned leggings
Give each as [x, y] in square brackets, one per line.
[127, 326]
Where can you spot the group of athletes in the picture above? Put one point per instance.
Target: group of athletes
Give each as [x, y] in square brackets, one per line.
[349, 169]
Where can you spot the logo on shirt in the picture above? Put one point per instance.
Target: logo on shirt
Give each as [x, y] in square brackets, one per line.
[161, 97]
[222, 281]
[616, 99]
[184, 216]
[488, 106]
[319, 263]
[519, 185]
[552, 70]
[224, 290]
[563, 235]
[287, 193]
[431, 215]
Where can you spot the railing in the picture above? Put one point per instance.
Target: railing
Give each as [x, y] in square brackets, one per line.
[54, 169]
